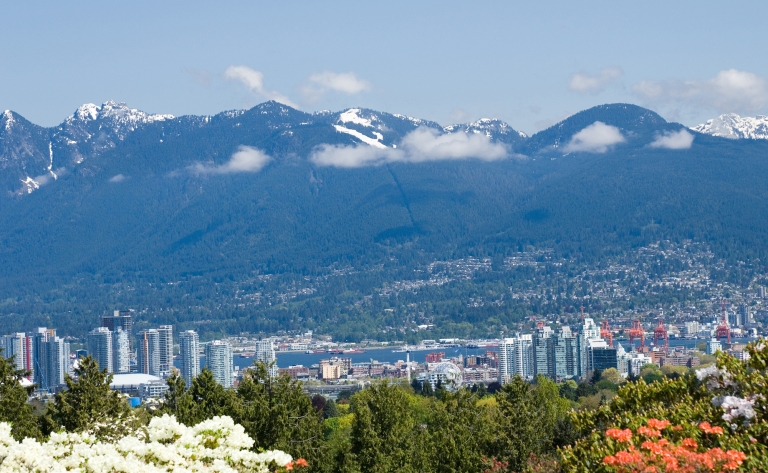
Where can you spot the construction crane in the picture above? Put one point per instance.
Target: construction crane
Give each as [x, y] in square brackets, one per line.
[722, 330]
[605, 333]
[661, 332]
[636, 332]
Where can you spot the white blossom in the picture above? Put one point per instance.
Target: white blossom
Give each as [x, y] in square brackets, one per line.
[215, 445]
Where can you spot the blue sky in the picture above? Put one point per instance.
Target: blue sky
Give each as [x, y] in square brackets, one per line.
[530, 64]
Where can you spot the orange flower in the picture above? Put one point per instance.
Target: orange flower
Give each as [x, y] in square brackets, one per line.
[657, 424]
[623, 436]
[690, 443]
[648, 432]
[707, 428]
[301, 463]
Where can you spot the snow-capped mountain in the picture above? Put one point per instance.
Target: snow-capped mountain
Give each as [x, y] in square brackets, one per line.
[93, 129]
[494, 129]
[735, 127]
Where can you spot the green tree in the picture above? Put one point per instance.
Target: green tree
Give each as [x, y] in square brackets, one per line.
[277, 414]
[14, 408]
[330, 410]
[527, 417]
[459, 433]
[384, 431]
[206, 398]
[87, 403]
[177, 401]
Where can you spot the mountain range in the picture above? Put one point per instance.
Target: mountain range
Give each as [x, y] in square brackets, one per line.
[114, 197]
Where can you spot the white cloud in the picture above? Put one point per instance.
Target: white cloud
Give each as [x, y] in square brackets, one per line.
[254, 81]
[246, 159]
[584, 83]
[421, 145]
[345, 82]
[674, 140]
[596, 138]
[729, 91]
[117, 178]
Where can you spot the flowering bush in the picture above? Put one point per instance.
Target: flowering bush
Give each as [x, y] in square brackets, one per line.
[165, 445]
[648, 452]
[717, 417]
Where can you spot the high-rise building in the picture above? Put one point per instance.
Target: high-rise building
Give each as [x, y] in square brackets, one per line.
[121, 355]
[600, 355]
[541, 350]
[18, 346]
[589, 331]
[100, 347]
[265, 352]
[148, 352]
[189, 355]
[166, 348]
[563, 355]
[515, 358]
[218, 359]
[57, 364]
[40, 339]
[122, 319]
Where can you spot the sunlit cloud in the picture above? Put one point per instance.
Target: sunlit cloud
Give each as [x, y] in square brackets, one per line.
[254, 81]
[246, 159]
[596, 138]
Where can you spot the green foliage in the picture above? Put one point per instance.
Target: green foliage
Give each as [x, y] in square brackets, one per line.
[13, 401]
[685, 402]
[384, 434]
[527, 416]
[277, 414]
[87, 404]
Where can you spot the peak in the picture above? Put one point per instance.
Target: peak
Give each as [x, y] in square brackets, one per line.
[733, 126]
[118, 111]
[9, 119]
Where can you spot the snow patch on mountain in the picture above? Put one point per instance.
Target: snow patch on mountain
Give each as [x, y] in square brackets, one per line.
[732, 126]
[376, 143]
[29, 185]
[353, 116]
[8, 116]
[117, 115]
[491, 127]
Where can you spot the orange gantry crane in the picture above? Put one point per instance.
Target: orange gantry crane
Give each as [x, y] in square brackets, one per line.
[636, 332]
[605, 333]
[660, 332]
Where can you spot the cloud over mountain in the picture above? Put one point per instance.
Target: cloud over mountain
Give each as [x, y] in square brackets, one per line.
[420, 145]
[681, 139]
[345, 82]
[254, 81]
[246, 159]
[584, 83]
[596, 138]
[729, 91]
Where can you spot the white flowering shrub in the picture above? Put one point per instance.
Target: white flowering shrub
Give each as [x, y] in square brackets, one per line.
[165, 445]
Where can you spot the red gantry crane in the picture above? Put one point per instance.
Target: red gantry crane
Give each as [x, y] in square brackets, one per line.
[661, 332]
[636, 332]
[606, 334]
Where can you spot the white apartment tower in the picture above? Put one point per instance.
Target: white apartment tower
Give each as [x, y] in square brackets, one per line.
[57, 365]
[148, 357]
[121, 354]
[218, 359]
[17, 346]
[100, 348]
[265, 352]
[166, 348]
[189, 358]
[516, 358]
